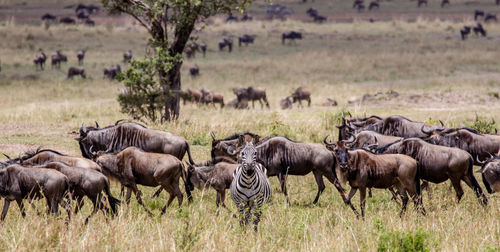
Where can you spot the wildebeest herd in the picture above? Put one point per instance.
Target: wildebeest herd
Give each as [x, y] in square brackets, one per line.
[392, 153]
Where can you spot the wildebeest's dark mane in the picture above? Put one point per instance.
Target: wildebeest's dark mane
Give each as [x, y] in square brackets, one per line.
[383, 148]
[366, 118]
[32, 153]
[464, 128]
[237, 135]
[125, 121]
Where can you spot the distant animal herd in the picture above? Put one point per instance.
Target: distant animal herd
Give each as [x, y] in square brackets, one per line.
[393, 153]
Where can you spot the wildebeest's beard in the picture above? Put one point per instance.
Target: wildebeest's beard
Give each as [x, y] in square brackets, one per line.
[342, 158]
[3, 181]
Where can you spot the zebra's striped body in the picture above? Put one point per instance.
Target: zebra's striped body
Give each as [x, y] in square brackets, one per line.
[250, 188]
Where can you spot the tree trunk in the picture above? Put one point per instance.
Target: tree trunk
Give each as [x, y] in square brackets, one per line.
[171, 90]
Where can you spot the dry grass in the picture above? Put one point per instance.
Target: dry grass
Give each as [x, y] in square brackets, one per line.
[342, 60]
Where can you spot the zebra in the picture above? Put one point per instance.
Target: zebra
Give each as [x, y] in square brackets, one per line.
[250, 188]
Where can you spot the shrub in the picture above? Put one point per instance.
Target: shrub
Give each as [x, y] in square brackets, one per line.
[494, 94]
[408, 241]
[484, 126]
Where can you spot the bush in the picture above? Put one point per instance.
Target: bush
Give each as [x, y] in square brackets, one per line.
[494, 94]
[398, 241]
[483, 125]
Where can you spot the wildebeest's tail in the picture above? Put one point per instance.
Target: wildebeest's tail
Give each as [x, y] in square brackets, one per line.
[475, 185]
[188, 150]
[486, 184]
[113, 202]
[184, 179]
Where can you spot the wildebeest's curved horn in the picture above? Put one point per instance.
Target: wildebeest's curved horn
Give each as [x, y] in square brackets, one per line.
[350, 116]
[326, 142]
[213, 136]
[20, 159]
[342, 113]
[92, 152]
[119, 121]
[350, 140]
[496, 131]
[424, 131]
[7, 156]
[96, 124]
[479, 161]
[230, 151]
[442, 124]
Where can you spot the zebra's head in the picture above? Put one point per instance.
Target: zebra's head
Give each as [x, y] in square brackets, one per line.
[247, 155]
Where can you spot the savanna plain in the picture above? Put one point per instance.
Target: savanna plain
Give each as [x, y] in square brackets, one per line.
[436, 74]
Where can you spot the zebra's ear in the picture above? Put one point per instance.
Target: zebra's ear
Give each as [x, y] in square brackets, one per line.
[241, 140]
[255, 139]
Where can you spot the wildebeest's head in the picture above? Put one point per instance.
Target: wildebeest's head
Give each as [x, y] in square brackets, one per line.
[340, 150]
[84, 141]
[108, 163]
[220, 146]
[451, 137]
[193, 178]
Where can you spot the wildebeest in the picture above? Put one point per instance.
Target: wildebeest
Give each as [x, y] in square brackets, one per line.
[89, 22]
[356, 3]
[208, 97]
[292, 36]
[490, 17]
[421, 2]
[445, 2]
[133, 167]
[92, 8]
[286, 103]
[232, 18]
[319, 19]
[373, 5]
[80, 56]
[478, 13]
[48, 17]
[253, 94]
[478, 29]
[300, 94]
[117, 137]
[80, 7]
[246, 39]
[67, 20]
[82, 15]
[477, 145]
[194, 71]
[226, 42]
[218, 175]
[439, 163]
[203, 47]
[490, 172]
[329, 103]
[72, 71]
[464, 32]
[85, 182]
[312, 12]
[366, 138]
[57, 58]
[39, 60]
[220, 146]
[246, 17]
[112, 71]
[192, 96]
[18, 183]
[238, 104]
[127, 56]
[282, 157]
[363, 169]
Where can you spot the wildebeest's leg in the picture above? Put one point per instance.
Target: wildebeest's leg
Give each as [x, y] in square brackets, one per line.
[370, 193]
[157, 193]
[223, 197]
[321, 185]
[458, 188]
[253, 104]
[138, 194]
[34, 207]
[300, 102]
[425, 185]
[352, 193]
[95, 202]
[362, 200]
[122, 191]
[21, 207]
[79, 203]
[6, 204]
[309, 105]
[171, 196]
[127, 197]
[282, 178]
[394, 194]
[472, 183]
[341, 190]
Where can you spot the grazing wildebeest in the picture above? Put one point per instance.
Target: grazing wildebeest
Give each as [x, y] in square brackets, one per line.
[203, 47]
[250, 188]
[246, 17]
[478, 13]
[72, 71]
[194, 71]
[208, 97]
[133, 167]
[232, 18]
[282, 157]
[477, 145]
[490, 172]
[81, 55]
[218, 175]
[319, 19]
[18, 183]
[445, 2]
[312, 12]
[439, 163]
[300, 94]
[329, 103]
[127, 56]
[478, 29]
[286, 103]
[48, 17]
[80, 7]
[373, 5]
[82, 15]
[246, 39]
[57, 58]
[238, 103]
[465, 31]
[421, 2]
[112, 71]
[356, 3]
[226, 42]
[124, 134]
[253, 94]
[490, 17]
[85, 182]
[40, 60]
[89, 22]
[67, 20]
[292, 36]
[363, 169]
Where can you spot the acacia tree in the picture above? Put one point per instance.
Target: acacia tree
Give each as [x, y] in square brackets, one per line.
[170, 24]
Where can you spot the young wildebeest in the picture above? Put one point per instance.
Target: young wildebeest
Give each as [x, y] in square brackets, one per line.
[252, 94]
[246, 39]
[112, 71]
[72, 71]
[286, 103]
[218, 175]
[208, 97]
[464, 32]
[85, 182]
[133, 167]
[80, 55]
[302, 94]
[194, 71]
[226, 42]
[439, 163]
[57, 58]
[292, 36]
[364, 169]
[127, 56]
[40, 60]
[18, 183]
[490, 171]
[48, 17]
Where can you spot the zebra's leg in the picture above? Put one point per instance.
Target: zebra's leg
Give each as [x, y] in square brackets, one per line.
[248, 212]
[257, 213]
[241, 210]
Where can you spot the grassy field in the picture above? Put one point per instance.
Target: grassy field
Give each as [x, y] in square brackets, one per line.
[436, 75]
